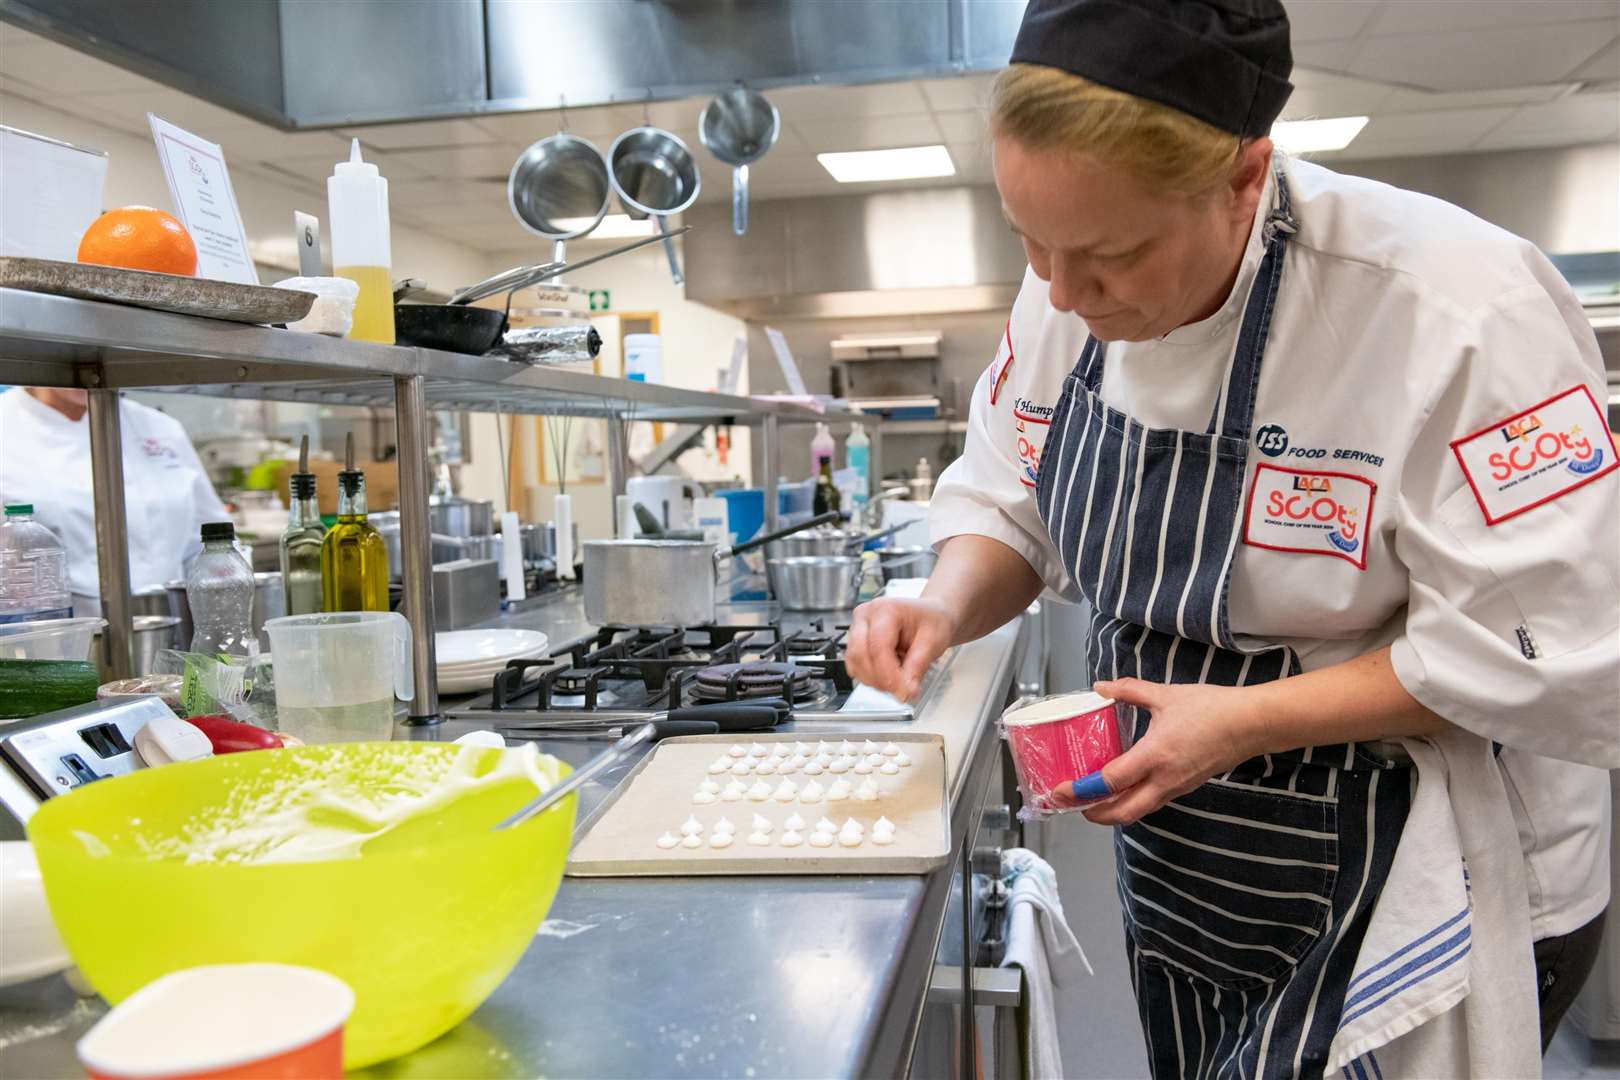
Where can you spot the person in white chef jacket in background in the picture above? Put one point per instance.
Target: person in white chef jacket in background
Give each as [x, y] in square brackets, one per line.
[1325, 459]
[45, 460]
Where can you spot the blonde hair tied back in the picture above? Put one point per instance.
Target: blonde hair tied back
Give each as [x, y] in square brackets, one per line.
[1047, 109]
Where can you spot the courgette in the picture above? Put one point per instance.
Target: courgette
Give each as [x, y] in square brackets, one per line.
[31, 687]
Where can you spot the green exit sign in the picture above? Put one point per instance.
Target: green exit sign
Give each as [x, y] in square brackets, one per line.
[601, 299]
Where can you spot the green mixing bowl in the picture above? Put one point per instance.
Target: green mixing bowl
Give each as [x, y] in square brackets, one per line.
[423, 932]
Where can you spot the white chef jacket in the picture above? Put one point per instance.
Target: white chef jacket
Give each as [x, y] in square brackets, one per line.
[1402, 324]
[45, 460]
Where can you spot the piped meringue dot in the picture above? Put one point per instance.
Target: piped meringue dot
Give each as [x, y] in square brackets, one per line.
[737, 752]
[792, 838]
[693, 841]
[668, 840]
[821, 839]
[888, 768]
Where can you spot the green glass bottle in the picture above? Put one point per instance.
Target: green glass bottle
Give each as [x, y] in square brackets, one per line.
[301, 542]
[827, 497]
[354, 558]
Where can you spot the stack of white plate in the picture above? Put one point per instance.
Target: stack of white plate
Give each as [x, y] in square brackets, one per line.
[469, 660]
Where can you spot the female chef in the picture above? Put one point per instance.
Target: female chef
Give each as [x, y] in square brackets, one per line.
[1325, 458]
[45, 460]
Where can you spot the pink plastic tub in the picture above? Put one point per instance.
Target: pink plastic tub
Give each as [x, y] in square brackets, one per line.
[1059, 739]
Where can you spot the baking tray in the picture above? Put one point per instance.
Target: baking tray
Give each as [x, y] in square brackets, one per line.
[160, 292]
[618, 839]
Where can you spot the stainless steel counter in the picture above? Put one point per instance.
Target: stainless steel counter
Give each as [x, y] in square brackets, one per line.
[689, 977]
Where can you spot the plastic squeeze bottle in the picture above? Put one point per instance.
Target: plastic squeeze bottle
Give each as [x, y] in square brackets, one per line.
[820, 447]
[357, 203]
[858, 456]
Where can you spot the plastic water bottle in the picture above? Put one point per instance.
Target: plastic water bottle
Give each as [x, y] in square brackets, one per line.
[33, 569]
[220, 592]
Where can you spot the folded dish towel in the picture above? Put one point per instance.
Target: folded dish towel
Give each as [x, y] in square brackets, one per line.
[1040, 943]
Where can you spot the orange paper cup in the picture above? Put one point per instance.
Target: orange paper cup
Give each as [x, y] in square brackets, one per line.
[225, 1022]
[1059, 739]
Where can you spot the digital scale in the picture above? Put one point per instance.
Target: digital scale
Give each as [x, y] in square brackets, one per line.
[53, 753]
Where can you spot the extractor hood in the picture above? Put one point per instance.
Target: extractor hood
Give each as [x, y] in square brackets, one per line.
[328, 63]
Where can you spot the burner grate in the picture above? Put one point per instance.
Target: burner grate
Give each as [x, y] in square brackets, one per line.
[651, 669]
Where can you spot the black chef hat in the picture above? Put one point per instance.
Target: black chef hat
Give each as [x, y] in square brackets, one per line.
[1224, 61]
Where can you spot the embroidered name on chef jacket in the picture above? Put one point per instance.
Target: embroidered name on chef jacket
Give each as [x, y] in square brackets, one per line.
[1312, 513]
[1031, 421]
[1532, 457]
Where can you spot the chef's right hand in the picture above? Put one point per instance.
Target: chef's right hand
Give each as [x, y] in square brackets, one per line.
[893, 640]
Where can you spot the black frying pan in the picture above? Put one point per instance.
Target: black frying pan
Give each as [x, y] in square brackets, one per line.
[456, 327]
[451, 327]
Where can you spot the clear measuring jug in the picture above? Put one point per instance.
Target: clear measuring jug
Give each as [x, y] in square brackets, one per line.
[338, 673]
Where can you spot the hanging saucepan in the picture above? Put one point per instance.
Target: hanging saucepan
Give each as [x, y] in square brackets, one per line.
[662, 582]
[557, 183]
[654, 174]
[738, 127]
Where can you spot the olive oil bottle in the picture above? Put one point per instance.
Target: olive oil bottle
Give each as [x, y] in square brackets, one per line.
[354, 559]
[301, 542]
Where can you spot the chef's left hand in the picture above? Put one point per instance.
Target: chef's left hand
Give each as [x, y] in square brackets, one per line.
[1198, 731]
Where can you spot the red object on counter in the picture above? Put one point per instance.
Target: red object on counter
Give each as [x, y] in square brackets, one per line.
[1059, 739]
[224, 1022]
[229, 736]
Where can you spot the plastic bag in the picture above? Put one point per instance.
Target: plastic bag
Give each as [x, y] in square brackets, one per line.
[1055, 741]
[240, 687]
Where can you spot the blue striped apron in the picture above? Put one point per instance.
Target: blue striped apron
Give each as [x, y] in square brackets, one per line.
[1246, 899]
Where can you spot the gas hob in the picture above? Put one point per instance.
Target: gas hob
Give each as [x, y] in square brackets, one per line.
[623, 674]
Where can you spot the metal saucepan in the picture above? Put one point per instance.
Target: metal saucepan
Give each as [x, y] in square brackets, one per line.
[662, 582]
[818, 542]
[152, 634]
[738, 127]
[559, 188]
[817, 582]
[451, 515]
[655, 174]
[907, 562]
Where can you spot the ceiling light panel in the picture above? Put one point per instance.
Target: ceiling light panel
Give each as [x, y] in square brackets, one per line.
[900, 163]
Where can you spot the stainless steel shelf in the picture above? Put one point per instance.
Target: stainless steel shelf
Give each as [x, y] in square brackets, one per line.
[57, 341]
[924, 427]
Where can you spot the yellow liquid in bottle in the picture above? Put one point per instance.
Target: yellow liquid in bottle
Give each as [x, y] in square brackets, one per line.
[354, 566]
[374, 308]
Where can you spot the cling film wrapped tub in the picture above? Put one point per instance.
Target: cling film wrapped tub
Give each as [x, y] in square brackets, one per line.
[1056, 740]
